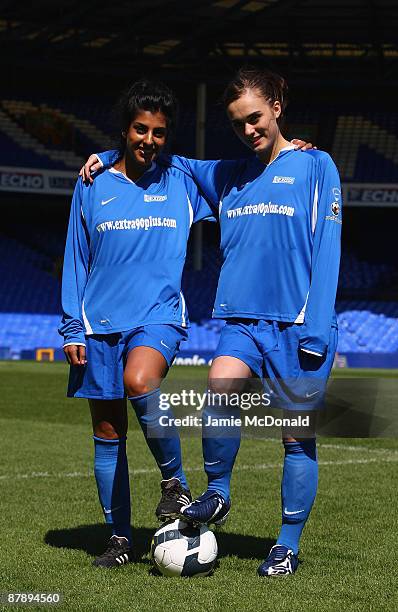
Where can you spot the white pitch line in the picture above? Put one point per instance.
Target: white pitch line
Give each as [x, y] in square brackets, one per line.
[266, 466]
[238, 468]
[366, 449]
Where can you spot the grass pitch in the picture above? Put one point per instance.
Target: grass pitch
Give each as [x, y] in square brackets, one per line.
[52, 524]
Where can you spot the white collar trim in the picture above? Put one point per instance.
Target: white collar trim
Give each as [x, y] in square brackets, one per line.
[150, 169]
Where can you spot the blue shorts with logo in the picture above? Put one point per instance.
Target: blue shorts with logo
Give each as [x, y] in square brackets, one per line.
[106, 354]
[295, 380]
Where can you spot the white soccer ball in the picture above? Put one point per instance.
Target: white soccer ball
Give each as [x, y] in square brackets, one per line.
[179, 549]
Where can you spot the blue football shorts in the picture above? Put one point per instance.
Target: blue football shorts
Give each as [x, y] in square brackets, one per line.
[295, 380]
[106, 354]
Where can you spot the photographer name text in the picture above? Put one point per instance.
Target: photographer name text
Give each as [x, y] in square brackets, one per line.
[248, 421]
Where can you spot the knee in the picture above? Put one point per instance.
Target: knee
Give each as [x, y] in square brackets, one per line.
[222, 381]
[137, 384]
[220, 386]
[224, 385]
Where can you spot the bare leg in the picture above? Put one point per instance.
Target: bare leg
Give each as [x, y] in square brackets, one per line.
[109, 418]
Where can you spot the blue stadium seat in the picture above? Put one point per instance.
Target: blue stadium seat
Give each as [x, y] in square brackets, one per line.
[368, 327]
[30, 300]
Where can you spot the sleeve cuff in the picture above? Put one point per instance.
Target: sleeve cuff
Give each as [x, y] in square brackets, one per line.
[99, 159]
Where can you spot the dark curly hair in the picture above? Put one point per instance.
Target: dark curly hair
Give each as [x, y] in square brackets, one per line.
[147, 95]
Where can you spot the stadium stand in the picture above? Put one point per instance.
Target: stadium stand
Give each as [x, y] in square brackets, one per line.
[50, 132]
[368, 327]
[364, 327]
[30, 300]
[365, 146]
[361, 278]
[58, 133]
[26, 282]
[200, 285]
[61, 133]
[27, 332]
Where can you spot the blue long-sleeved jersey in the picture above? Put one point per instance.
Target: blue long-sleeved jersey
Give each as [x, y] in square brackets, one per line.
[280, 238]
[125, 251]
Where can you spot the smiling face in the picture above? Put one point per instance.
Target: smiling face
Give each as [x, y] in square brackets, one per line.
[145, 138]
[253, 120]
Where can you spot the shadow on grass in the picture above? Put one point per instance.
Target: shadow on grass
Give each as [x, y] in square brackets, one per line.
[92, 539]
[242, 546]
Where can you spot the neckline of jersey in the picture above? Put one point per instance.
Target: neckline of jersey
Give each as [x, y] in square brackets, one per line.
[283, 150]
[151, 168]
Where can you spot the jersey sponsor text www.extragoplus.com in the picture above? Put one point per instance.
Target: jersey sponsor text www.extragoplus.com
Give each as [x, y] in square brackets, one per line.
[139, 223]
[261, 209]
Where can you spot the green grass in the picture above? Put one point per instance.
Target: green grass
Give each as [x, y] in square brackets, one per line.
[52, 523]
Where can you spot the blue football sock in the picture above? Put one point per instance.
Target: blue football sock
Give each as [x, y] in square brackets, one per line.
[220, 445]
[112, 476]
[299, 486]
[166, 450]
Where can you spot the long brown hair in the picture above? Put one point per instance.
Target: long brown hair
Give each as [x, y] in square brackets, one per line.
[270, 85]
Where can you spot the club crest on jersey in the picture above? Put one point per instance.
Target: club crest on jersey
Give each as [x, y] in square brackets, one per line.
[286, 180]
[335, 208]
[154, 198]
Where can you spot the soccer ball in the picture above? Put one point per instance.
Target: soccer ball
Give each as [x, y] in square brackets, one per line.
[179, 549]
